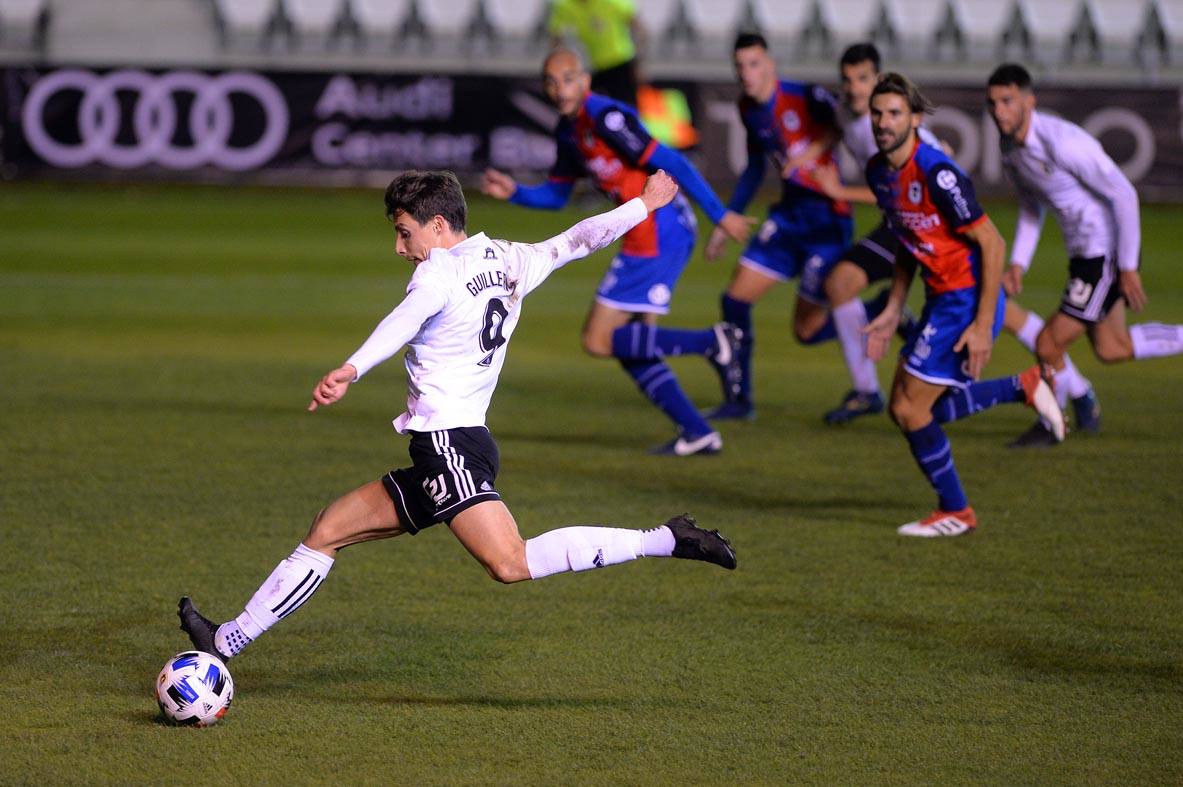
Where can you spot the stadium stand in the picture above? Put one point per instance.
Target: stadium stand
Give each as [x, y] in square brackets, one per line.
[786, 24]
[1109, 40]
[1053, 29]
[377, 24]
[312, 23]
[517, 25]
[448, 24]
[22, 23]
[1168, 17]
[246, 23]
[714, 23]
[918, 28]
[848, 21]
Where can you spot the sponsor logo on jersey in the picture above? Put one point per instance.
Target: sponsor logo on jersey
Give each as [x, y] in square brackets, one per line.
[614, 121]
[947, 180]
[917, 221]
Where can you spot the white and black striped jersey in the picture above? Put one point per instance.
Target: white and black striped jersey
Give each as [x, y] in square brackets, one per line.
[1060, 166]
[461, 309]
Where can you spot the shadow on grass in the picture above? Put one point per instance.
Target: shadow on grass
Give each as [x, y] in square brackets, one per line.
[486, 701]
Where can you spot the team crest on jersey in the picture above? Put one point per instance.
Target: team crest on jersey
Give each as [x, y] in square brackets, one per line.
[489, 255]
[791, 120]
[914, 191]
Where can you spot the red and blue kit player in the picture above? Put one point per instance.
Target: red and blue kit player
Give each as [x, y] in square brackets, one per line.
[603, 139]
[930, 205]
[794, 126]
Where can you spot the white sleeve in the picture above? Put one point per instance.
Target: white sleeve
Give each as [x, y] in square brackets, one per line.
[1028, 228]
[399, 327]
[533, 262]
[1084, 157]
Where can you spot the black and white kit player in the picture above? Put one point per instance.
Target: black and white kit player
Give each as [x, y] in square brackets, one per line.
[1056, 165]
[462, 305]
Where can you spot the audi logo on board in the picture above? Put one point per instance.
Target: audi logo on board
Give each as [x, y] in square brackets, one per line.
[155, 116]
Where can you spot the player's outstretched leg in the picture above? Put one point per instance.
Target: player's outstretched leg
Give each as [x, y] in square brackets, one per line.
[1033, 387]
[585, 547]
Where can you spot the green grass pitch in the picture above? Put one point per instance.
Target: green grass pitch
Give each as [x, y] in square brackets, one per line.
[159, 345]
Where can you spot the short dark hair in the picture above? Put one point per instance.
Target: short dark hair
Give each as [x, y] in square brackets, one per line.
[1010, 74]
[423, 195]
[900, 85]
[860, 53]
[745, 40]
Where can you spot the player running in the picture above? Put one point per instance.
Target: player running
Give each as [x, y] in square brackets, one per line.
[931, 207]
[793, 125]
[1056, 164]
[605, 140]
[872, 258]
[463, 303]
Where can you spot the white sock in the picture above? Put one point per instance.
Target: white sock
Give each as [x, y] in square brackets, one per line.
[849, 320]
[1071, 382]
[1156, 339]
[584, 547]
[1030, 330]
[292, 583]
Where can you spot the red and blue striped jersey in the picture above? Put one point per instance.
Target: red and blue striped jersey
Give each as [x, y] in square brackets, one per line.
[607, 142]
[929, 203]
[794, 117]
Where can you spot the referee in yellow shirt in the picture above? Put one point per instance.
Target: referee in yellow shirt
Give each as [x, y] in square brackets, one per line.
[607, 29]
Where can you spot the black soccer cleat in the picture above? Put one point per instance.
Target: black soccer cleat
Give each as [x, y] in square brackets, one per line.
[726, 359]
[691, 542]
[200, 629]
[1038, 436]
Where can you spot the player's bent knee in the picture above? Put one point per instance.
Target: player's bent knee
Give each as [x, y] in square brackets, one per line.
[1113, 351]
[597, 346]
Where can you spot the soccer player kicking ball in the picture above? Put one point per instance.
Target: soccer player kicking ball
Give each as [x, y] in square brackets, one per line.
[1056, 164]
[605, 140]
[462, 305]
[931, 207]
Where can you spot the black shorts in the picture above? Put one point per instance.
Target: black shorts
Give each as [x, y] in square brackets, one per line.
[875, 253]
[1092, 289]
[451, 470]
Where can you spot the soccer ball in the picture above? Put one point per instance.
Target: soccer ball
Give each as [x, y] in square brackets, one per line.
[194, 688]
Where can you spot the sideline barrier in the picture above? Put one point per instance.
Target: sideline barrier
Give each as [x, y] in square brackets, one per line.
[334, 128]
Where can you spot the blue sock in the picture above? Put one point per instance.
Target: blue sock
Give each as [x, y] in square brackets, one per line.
[640, 342]
[933, 453]
[823, 334]
[956, 403]
[658, 383]
[739, 314]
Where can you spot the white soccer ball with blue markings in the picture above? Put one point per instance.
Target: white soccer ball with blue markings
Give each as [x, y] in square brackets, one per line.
[194, 688]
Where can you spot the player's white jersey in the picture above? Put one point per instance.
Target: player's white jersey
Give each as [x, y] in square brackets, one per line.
[859, 138]
[461, 309]
[1059, 165]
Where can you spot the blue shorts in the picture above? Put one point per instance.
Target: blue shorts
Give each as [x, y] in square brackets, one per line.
[799, 243]
[928, 353]
[646, 284]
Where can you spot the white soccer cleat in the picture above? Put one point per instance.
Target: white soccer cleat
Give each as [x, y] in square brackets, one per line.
[942, 523]
[1041, 396]
[709, 443]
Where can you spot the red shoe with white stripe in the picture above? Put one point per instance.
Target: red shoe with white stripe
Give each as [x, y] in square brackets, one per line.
[1039, 386]
[942, 523]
